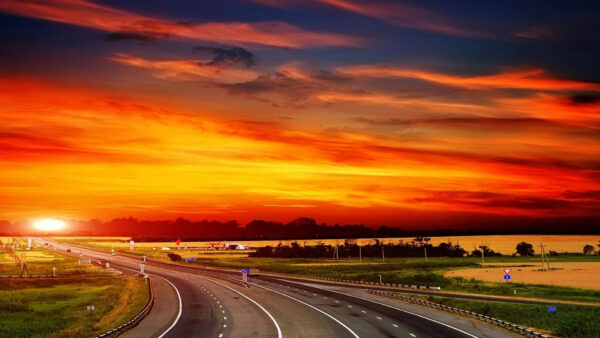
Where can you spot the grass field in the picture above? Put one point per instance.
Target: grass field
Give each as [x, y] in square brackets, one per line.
[56, 307]
[443, 272]
[568, 321]
[504, 244]
[41, 261]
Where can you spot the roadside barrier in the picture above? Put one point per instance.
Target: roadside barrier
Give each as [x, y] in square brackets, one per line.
[491, 320]
[135, 320]
[360, 282]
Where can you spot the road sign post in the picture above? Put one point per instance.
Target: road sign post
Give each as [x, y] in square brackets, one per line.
[142, 267]
[244, 275]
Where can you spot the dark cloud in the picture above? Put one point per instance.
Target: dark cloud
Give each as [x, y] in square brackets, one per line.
[281, 89]
[587, 98]
[131, 36]
[228, 56]
[586, 195]
[501, 200]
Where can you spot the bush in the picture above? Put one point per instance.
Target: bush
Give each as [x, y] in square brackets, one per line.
[174, 257]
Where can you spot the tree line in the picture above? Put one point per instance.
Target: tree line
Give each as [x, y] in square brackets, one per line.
[414, 248]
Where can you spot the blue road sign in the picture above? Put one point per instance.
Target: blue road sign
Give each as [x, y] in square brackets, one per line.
[506, 277]
[245, 271]
[552, 308]
[191, 259]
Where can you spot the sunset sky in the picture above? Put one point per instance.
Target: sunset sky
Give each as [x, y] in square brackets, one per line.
[403, 113]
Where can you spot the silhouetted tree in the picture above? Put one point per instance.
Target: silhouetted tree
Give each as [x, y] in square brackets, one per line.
[588, 250]
[525, 249]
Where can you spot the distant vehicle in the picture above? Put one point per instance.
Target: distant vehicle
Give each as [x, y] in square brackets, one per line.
[114, 253]
[68, 250]
[166, 249]
[252, 272]
[102, 261]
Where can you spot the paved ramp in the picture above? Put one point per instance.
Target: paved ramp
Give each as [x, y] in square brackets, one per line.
[164, 311]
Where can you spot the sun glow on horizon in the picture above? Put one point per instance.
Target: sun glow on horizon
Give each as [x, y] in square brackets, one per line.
[49, 224]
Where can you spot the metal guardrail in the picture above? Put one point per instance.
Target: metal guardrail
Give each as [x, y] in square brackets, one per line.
[391, 285]
[135, 320]
[498, 322]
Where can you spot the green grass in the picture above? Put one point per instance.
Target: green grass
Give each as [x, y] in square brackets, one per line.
[396, 270]
[404, 271]
[41, 260]
[568, 321]
[57, 307]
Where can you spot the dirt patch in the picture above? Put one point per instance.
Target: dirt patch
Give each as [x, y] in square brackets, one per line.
[585, 275]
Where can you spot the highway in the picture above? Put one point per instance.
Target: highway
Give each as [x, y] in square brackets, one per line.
[218, 304]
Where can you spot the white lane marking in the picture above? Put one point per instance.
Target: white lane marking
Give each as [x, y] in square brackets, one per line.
[412, 334]
[363, 311]
[279, 335]
[178, 296]
[312, 307]
[337, 301]
[378, 318]
[350, 306]
[394, 325]
[180, 309]
[393, 307]
[220, 335]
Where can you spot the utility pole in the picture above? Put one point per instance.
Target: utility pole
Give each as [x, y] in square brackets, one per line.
[382, 254]
[425, 247]
[482, 258]
[544, 257]
[360, 253]
[24, 266]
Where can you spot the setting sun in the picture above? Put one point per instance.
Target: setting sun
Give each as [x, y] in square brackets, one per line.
[49, 224]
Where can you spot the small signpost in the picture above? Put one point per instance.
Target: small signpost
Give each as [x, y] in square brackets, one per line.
[90, 308]
[142, 267]
[244, 275]
[552, 309]
[507, 274]
[190, 259]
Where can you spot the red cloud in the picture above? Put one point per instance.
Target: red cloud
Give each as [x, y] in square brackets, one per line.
[88, 14]
[535, 79]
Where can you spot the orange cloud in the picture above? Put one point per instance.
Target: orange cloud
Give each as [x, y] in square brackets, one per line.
[402, 15]
[535, 79]
[92, 15]
[188, 70]
[81, 152]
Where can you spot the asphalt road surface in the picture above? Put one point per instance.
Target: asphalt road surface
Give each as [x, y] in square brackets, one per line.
[218, 304]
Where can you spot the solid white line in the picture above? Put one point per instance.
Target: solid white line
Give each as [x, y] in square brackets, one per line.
[394, 325]
[180, 308]
[378, 318]
[317, 309]
[412, 334]
[279, 335]
[393, 307]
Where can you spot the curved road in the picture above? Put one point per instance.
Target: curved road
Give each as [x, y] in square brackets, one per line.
[218, 304]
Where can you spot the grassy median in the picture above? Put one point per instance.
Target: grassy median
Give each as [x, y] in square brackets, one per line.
[568, 320]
